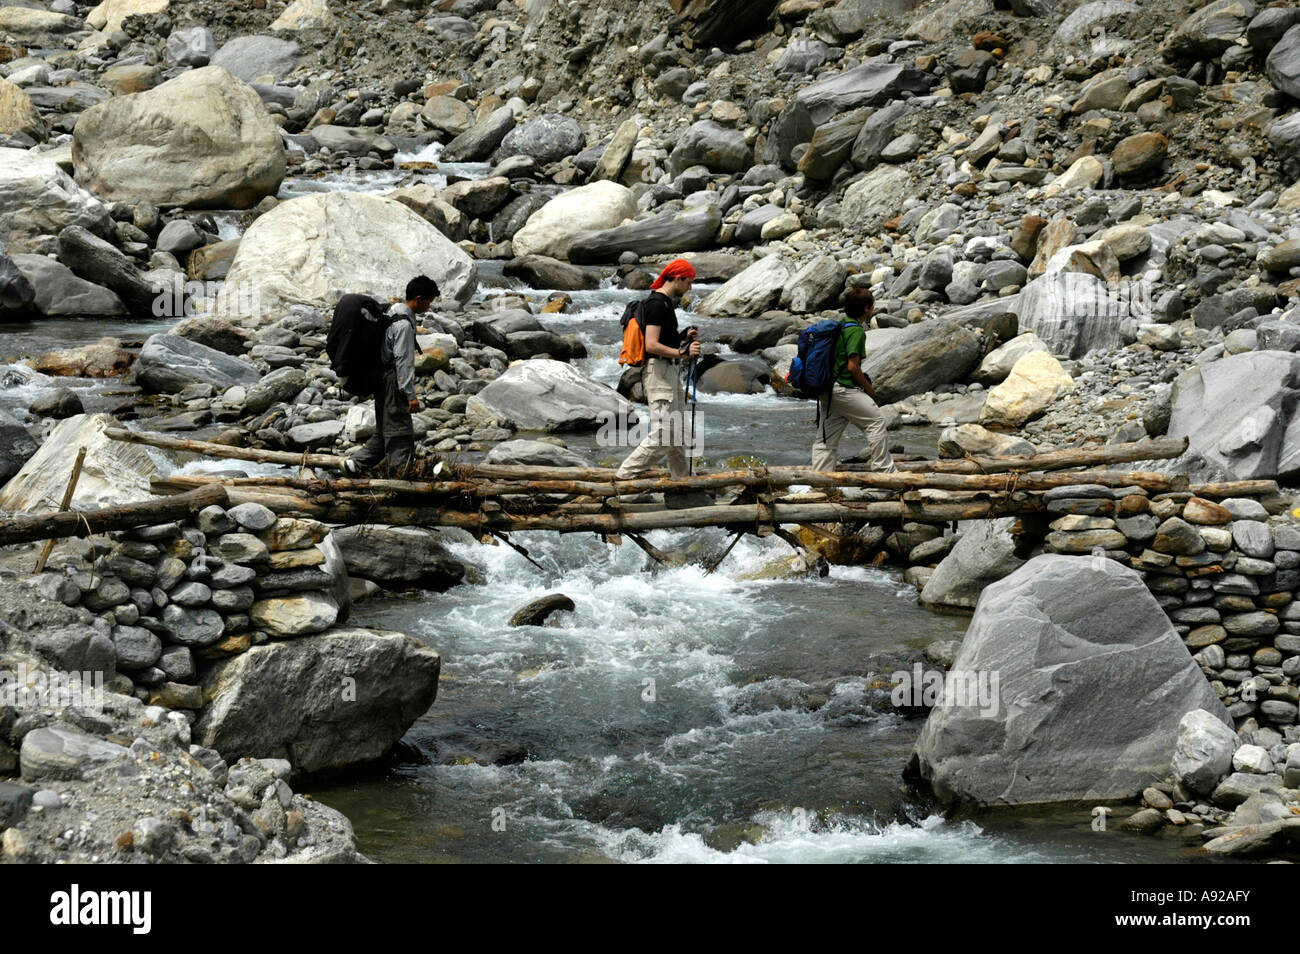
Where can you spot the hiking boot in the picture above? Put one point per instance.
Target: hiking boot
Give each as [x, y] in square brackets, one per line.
[350, 467]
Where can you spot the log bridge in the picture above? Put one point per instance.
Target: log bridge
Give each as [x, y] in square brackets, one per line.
[495, 500]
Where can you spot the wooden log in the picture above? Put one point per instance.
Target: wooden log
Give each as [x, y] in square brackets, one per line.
[1236, 488]
[222, 451]
[64, 506]
[777, 477]
[1163, 448]
[80, 523]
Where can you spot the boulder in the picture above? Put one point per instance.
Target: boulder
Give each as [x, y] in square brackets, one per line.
[59, 753]
[816, 286]
[1084, 173]
[985, 554]
[1072, 313]
[169, 363]
[921, 357]
[306, 15]
[959, 440]
[17, 294]
[1093, 682]
[478, 198]
[877, 133]
[1239, 415]
[1083, 21]
[547, 395]
[708, 144]
[427, 202]
[534, 454]
[398, 557]
[998, 363]
[16, 446]
[191, 46]
[59, 293]
[1139, 153]
[873, 83]
[298, 614]
[736, 376]
[553, 228]
[447, 115]
[614, 159]
[105, 358]
[1283, 64]
[307, 250]
[109, 14]
[113, 473]
[279, 386]
[831, 144]
[1203, 751]
[536, 612]
[18, 114]
[546, 139]
[752, 292]
[253, 57]
[538, 271]
[38, 198]
[356, 692]
[1207, 33]
[482, 139]
[1035, 381]
[36, 25]
[671, 233]
[874, 199]
[353, 140]
[1269, 26]
[101, 263]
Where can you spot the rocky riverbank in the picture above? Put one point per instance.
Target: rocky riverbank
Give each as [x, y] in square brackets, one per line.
[1079, 222]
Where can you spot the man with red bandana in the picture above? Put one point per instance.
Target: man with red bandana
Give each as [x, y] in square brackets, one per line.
[665, 349]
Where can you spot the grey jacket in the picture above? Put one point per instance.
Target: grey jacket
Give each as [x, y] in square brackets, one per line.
[398, 351]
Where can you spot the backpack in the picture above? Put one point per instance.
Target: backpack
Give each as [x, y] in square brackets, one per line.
[353, 343]
[633, 353]
[812, 372]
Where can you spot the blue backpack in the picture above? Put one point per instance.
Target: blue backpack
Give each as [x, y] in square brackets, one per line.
[812, 372]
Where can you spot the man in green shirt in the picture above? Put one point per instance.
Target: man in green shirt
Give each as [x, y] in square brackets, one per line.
[852, 398]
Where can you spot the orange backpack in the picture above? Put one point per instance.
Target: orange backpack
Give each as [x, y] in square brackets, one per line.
[633, 353]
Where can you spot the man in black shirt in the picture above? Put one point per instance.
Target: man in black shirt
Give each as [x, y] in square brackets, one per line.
[664, 349]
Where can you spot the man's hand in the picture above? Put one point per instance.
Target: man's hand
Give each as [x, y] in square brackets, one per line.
[860, 377]
[694, 349]
[413, 405]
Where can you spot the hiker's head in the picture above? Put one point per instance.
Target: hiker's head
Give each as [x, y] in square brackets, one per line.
[421, 293]
[859, 303]
[676, 278]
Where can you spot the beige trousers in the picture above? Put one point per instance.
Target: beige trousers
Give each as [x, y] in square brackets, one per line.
[851, 405]
[668, 422]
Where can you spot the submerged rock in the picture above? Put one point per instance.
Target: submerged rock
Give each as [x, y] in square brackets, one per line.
[536, 612]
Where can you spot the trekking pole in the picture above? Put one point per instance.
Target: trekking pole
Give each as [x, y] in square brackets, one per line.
[692, 388]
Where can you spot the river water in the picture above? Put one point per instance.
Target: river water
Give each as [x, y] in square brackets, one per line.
[673, 716]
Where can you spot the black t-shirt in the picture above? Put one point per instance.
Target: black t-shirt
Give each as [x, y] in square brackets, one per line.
[658, 310]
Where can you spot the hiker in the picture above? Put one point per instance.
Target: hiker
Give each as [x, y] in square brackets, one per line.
[395, 400]
[852, 396]
[664, 349]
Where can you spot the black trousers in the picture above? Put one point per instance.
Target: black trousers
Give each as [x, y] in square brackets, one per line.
[394, 437]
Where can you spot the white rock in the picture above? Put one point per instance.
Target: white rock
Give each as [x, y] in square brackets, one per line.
[108, 16]
[308, 250]
[1253, 759]
[1035, 382]
[551, 229]
[753, 291]
[39, 198]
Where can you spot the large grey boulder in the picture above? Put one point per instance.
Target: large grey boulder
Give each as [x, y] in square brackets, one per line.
[849, 19]
[1072, 313]
[191, 46]
[17, 295]
[546, 139]
[482, 139]
[1239, 416]
[1093, 682]
[38, 198]
[1269, 26]
[59, 293]
[547, 395]
[535, 454]
[831, 144]
[874, 199]
[100, 263]
[687, 231]
[552, 229]
[398, 557]
[1208, 32]
[76, 648]
[922, 357]
[876, 133]
[539, 271]
[985, 554]
[16, 446]
[307, 250]
[201, 140]
[752, 292]
[873, 83]
[355, 693]
[59, 753]
[708, 144]
[353, 141]
[252, 57]
[169, 363]
[1283, 64]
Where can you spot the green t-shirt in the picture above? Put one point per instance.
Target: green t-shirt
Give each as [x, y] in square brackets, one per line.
[852, 340]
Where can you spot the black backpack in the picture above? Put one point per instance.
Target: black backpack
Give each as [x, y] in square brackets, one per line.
[355, 336]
